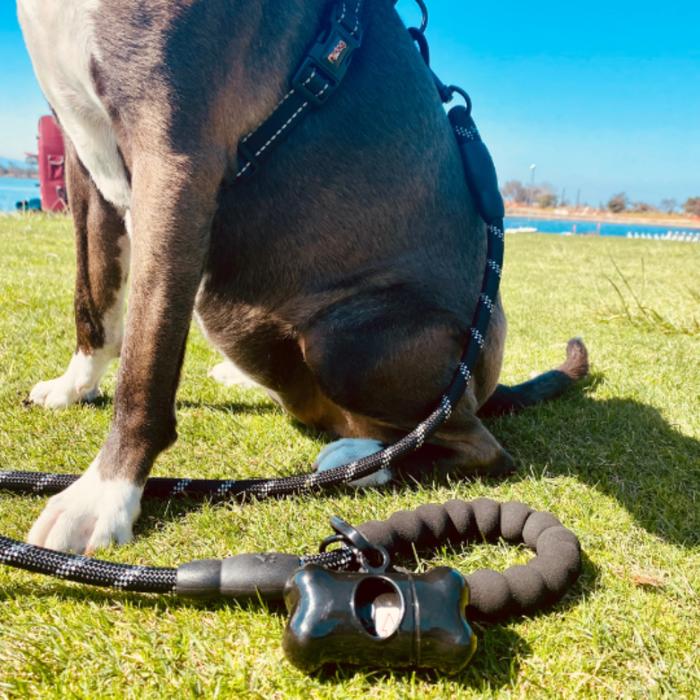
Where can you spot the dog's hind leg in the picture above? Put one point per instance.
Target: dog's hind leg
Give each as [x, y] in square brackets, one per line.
[228, 374]
[550, 385]
[102, 247]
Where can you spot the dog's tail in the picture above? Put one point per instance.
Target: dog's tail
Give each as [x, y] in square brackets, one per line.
[510, 399]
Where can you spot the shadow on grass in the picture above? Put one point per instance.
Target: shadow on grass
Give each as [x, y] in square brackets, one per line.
[240, 407]
[495, 664]
[622, 448]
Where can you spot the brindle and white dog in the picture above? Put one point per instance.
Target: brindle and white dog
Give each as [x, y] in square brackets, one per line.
[342, 277]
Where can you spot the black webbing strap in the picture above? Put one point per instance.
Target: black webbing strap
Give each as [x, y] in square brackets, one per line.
[317, 78]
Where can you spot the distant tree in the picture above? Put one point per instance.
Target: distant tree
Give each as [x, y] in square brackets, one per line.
[515, 191]
[692, 206]
[669, 205]
[546, 199]
[642, 207]
[618, 203]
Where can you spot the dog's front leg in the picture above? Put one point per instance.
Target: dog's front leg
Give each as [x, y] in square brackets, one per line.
[171, 229]
[102, 252]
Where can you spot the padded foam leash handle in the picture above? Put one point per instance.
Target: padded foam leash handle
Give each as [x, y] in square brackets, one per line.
[493, 596]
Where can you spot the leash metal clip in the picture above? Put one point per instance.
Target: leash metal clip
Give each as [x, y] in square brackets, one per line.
[373, 559]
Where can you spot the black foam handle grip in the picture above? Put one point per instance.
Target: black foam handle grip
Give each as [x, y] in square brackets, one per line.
[479, 166]
[494, 596]
[243, 577]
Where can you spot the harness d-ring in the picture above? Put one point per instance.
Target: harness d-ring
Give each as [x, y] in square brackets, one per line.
[423, 46]
[424, 13]
[463, 94]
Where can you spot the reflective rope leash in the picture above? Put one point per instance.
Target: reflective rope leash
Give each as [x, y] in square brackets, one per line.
[245, 577]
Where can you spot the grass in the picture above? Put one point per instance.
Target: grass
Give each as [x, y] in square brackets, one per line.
[630, 304]
[617, 461]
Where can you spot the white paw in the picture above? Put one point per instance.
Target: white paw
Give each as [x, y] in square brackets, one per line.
[60, 393]
[90, 514]
[80, 382]
[228, 374]
[349, 450]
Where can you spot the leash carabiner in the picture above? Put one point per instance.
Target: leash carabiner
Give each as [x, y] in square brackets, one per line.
[373, 559]
[425, 18]
[454, 89]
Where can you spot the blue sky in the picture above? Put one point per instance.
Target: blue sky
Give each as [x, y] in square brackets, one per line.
[603, 96]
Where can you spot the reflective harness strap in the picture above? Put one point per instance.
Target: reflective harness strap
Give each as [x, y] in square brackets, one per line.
[318, 77]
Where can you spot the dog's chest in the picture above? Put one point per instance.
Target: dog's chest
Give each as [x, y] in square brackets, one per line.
[61, 41]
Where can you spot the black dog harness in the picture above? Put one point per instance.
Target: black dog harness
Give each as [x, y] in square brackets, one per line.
[494, 596]
[315, 81]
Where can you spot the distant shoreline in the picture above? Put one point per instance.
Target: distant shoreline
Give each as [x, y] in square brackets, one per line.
[19, 175]
[596, 216]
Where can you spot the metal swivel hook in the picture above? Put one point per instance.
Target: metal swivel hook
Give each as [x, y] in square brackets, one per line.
[454, 89]
[424, 12]
[373, 559]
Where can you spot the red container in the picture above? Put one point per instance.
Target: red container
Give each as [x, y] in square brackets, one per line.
[52, 166]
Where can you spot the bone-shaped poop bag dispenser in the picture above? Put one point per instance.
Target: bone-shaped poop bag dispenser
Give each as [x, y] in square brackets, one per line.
[377, 618]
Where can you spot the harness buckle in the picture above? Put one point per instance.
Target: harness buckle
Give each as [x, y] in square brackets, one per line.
[328, 61]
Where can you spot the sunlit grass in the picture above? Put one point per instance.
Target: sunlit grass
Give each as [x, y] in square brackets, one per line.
[618, 462]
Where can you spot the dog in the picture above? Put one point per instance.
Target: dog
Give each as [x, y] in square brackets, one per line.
[342, 277]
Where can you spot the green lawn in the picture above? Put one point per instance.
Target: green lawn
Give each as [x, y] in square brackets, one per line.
[618, 462]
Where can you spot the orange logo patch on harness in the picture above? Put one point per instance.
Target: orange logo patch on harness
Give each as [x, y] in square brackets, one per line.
[337, 52]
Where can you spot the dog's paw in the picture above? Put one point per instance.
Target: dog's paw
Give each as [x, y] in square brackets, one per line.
[60, 393]
[228, 374]
[90, 514]
[350, 450]
[78, 383]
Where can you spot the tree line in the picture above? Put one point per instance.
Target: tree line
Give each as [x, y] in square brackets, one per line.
[11, 171]
[544, 196]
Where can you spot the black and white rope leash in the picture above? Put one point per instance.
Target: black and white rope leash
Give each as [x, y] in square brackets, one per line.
[493, 595]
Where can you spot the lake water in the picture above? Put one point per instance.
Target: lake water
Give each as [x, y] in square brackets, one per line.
[13, 190]
[604, 229]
